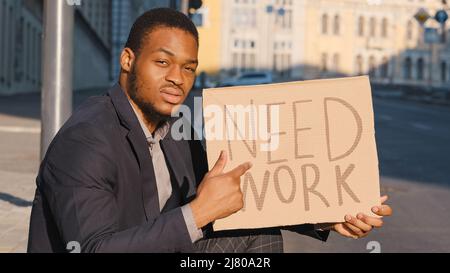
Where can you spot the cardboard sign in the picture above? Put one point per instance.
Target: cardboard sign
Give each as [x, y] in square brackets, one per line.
[312, 145]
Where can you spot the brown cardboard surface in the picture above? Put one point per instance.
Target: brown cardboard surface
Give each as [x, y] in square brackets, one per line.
[325, 165]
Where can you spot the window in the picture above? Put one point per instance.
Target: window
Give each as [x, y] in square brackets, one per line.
[420, 69]
[288, 64]
[8, 57]
[409, 30]
[235, 62]
[33, 55]
[372, 67]
[29, 46]
[200, 17]
[384, 72]
[253, 18]
[407, 68]
[324, 24]
[384, 28]
[243, 61]
[336, 60]
[3, 41]
[19, 65]
[275, 62]
[252, 64]
[443, 71]
[359, 65]
[373, 27]
[39, 55]
[288, 18]
[361, 26]
[237, 17]
[324, 62]
[336, 25]
[29, 49]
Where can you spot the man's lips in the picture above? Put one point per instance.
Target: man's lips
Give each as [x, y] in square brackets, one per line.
[172, 95]
[172, 91]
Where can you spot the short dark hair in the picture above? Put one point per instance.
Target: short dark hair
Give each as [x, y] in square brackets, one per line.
[159, 17]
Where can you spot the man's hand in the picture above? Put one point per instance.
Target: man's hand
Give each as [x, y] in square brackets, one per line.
[219, 194]
[361, 225]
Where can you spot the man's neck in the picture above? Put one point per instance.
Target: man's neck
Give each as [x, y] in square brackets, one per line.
[151, 125]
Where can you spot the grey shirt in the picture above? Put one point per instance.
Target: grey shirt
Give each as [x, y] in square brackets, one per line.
[162, 175]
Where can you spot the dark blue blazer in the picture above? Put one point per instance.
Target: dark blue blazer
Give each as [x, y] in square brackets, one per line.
[96, 185]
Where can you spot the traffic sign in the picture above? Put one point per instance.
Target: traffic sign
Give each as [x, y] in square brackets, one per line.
[441, 16]
[431, 35]
[422, 16]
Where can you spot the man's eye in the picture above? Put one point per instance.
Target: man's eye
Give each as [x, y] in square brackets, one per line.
[190, 69]
[162, 62]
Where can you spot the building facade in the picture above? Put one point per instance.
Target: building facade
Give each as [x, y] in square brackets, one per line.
[20, 45]
[261, 35]
[92, 45]
[375, 37]
[100, 32]
[124, 13]
[21, 32]
[208, 20]
[307, 39]
[295, 39]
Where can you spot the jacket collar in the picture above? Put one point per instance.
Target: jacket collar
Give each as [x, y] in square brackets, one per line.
[123, 108]
[138, 141]
[139, 145]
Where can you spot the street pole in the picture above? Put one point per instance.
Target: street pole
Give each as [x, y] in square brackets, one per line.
[56, 103]
[185, 6]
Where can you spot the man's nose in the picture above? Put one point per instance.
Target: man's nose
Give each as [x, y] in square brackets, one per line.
[175, 76]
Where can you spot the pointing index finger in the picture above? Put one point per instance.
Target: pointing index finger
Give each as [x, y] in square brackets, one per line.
[240, 170]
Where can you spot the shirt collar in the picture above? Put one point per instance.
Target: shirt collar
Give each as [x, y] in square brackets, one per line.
[160, 133]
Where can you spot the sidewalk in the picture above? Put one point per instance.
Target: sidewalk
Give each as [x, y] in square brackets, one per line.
[19, 161]
[420, 223]
[421, 218]
[15, 209]
[19, 164]
[403, 93]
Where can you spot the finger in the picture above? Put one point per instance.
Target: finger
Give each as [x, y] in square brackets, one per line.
[345, 231]
[383, 210]
[360, 233]
[220, 165]
[384, 199]
[372, 221]
[240, 170]
[358, 224]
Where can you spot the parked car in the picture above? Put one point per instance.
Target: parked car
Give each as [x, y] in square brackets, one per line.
[249, 78]
[204, 81]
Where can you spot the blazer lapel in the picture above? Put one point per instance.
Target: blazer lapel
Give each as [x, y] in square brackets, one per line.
[139, 145]
[175, 154]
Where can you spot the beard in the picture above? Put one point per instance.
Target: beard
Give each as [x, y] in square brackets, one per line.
[148, 109]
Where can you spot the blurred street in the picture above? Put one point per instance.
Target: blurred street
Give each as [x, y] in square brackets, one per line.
[414, 152]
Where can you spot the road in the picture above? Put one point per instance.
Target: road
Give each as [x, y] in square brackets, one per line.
[413, 142]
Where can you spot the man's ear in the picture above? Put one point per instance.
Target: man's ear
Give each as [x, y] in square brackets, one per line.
[127, 58]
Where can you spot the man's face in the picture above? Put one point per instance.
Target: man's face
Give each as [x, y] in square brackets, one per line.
[164, 72]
